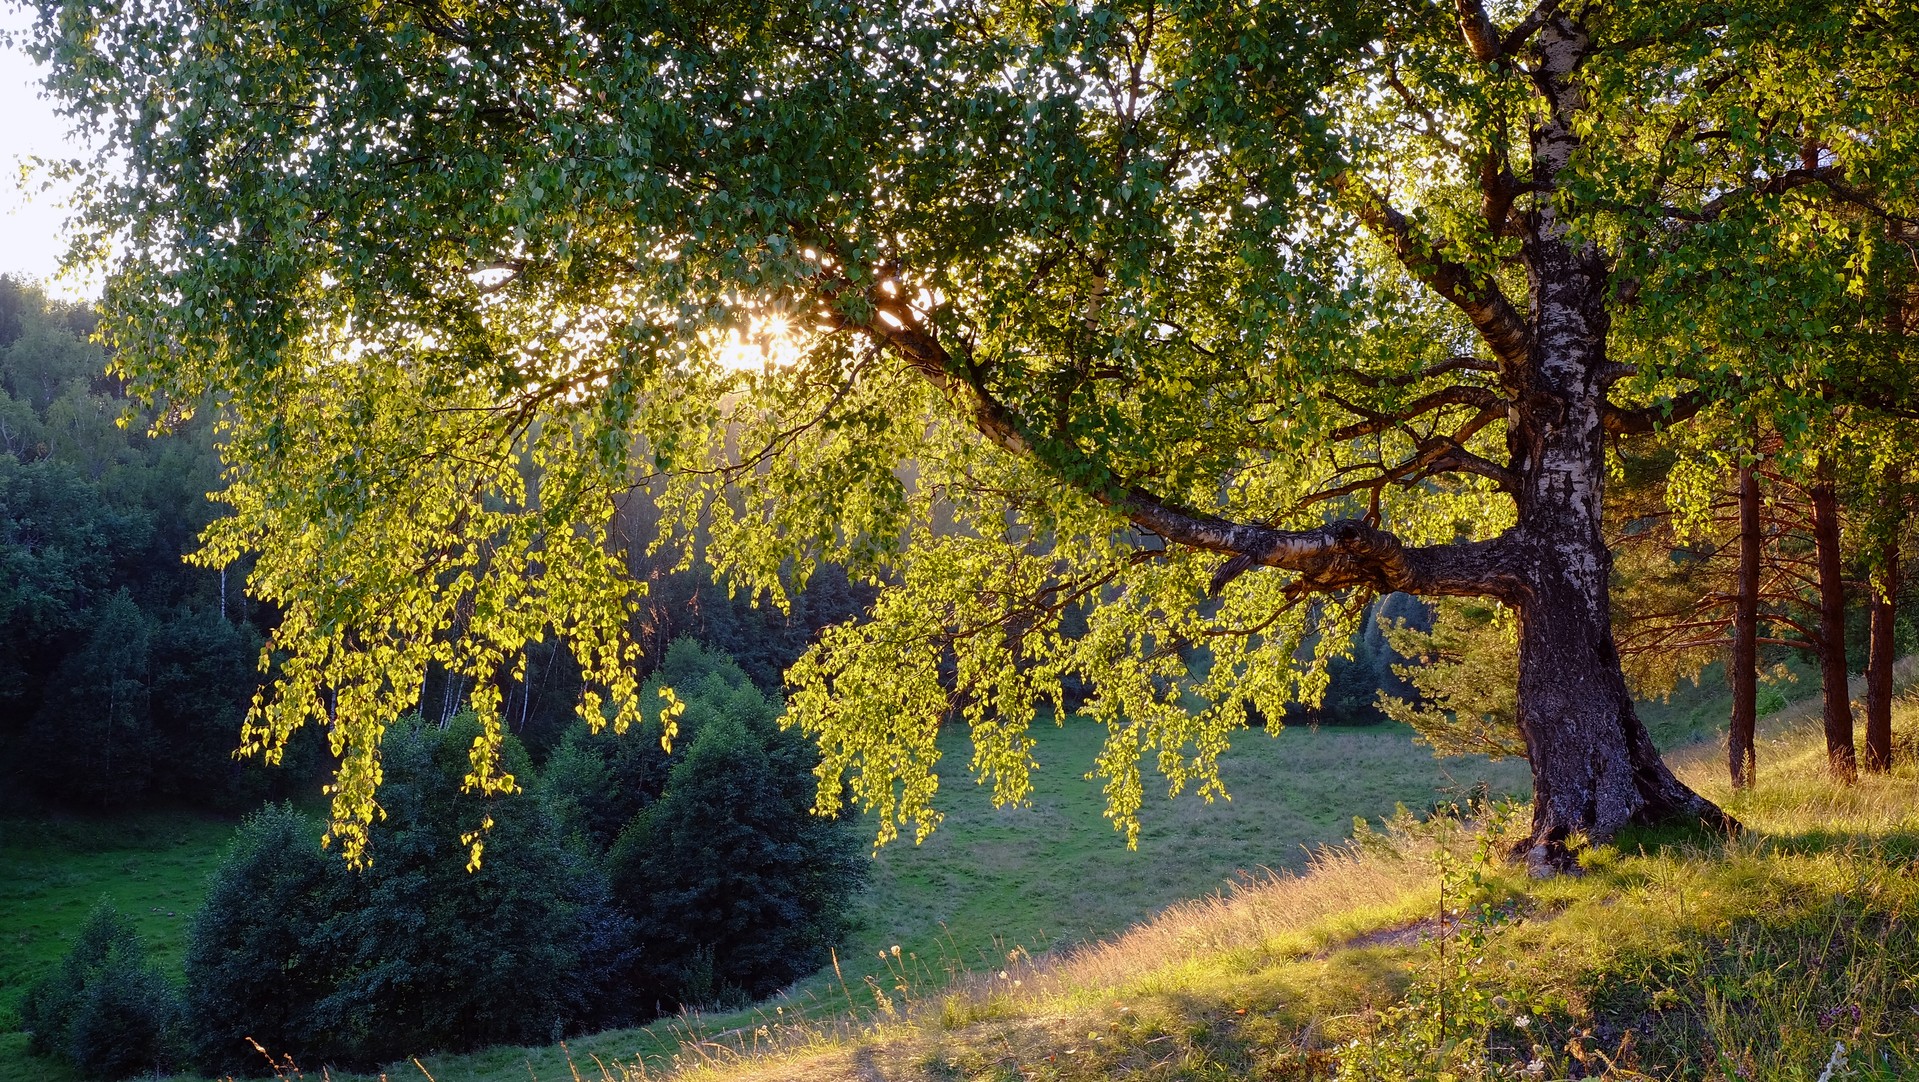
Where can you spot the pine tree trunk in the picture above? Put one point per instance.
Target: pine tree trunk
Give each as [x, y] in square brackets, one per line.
[1832, 634]
[1742, 672]
[1879, 669]
[1885, 606]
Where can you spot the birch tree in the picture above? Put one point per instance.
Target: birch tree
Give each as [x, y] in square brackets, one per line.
[1180, 312]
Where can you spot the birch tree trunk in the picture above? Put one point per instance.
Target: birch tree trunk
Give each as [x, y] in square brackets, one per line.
[1595, 769]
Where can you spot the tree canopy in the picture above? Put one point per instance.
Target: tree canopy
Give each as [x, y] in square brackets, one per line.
[1077, 313]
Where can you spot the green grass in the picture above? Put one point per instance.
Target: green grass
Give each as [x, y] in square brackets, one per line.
[1696, 711]
[1056, 873]
[988, 880]
[1677, 954]
[54, 869]
[1669, 937]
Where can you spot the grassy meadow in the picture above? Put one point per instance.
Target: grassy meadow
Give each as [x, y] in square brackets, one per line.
[1244, 938]
[988, 882]
[52, 873]
[1786, 952]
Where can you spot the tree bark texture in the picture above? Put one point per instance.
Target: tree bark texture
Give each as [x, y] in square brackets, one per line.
[1742, 672]
[1595, 769]
[1832, 633]
[1884, 608]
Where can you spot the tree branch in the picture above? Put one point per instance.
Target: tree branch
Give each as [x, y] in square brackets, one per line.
[1645, 420]
[1478, 297]
[1477, 28]
[1528, 26]
[1450, 364]
[1334, 556]
[1831, 176]
[1482, 398]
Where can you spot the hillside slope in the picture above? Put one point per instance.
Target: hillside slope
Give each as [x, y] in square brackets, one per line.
[1787, 952]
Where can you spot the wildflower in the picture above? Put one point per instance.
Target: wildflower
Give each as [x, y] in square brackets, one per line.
[1523, 1021]
[896, 950]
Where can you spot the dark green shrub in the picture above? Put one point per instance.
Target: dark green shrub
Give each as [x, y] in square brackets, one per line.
[258, 953]
[521, 950]
[415, 954]
[736, 888]
[595, 783]
[107, 1009]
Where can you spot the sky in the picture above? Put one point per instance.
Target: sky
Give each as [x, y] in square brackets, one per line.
[30, 222]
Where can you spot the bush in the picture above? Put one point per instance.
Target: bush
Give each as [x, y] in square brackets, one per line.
[107, 1009]
[414, 954]
[522, 950]
[595, 783]
[258, 951]
[730, 888]
[737, 889]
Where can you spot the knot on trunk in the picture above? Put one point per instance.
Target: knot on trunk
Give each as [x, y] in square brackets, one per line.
[1354, 554]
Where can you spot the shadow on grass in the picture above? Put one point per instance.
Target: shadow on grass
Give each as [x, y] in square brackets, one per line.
[1889, 847]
